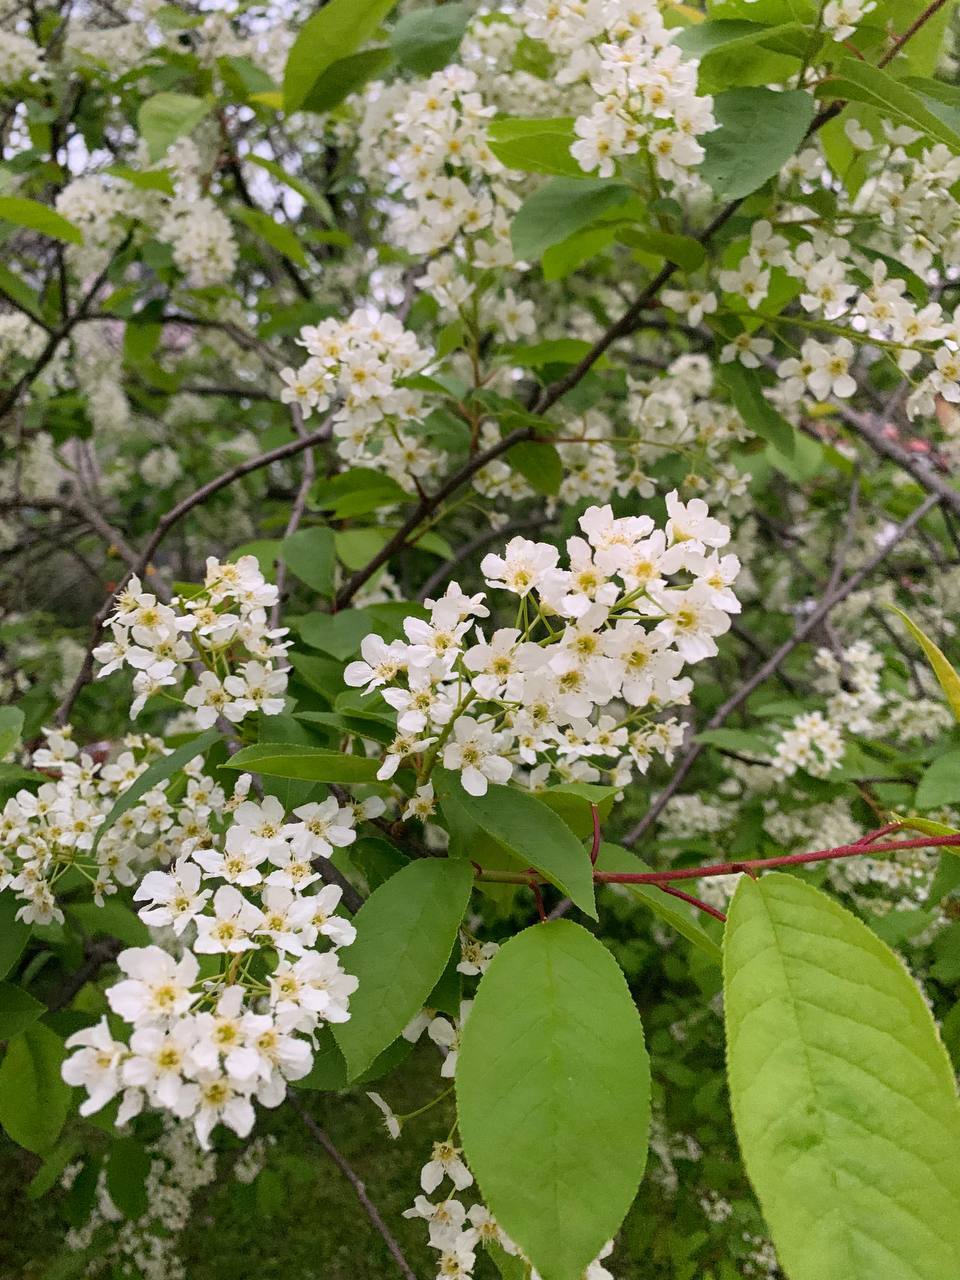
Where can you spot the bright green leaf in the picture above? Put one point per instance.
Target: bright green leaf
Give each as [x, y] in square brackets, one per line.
[14, 933]
[18, 1009]
[332, 33]
[759, 132]
[538, 145]
[291, 760]
[405, 932]
[38, 217]
[34, 1100]
[843, 1096]
[127, 1168]
[746, 392]
[553, 1087]
[309, 554]
[559, 208]
[539, 464]
[940, 783]
[427, 39]
[276, 234]
[529, 830]
[942, 668]
[168, 116]
[11, 727]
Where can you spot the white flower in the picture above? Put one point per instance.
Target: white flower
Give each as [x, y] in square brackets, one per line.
[323, 826]
[157, 988]
[444, 1162]
[176, 898]
[96, 1067]
[474, 749]
[228, 931]
[390, 1121]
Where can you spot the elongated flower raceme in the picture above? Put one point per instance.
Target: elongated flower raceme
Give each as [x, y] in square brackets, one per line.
[574, 690]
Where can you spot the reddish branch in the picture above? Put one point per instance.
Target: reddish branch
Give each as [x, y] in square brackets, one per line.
[865, 845]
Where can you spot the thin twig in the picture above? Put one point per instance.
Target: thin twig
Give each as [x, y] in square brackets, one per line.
[372, 1212]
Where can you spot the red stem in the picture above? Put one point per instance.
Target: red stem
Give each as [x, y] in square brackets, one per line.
[694, 902]
[763, 864]
[595, 849]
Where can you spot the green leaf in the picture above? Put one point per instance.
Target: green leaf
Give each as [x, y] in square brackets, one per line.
[291, 760]
[843, 1097]
[684, 251]
[38, 217]
[553, 1095]
[738, 52]
[940, 783]
[128, 1166]
[942, 668]
[113, 920]
[535, 146]
[334, 32]
[309, 555]
[427, 39]
[11, 728]
[356, 492]
[329, 1070]
[316, 199]
[346, 76]
[34, 1099]
[276, 234]
[746, 392]
[159, 771]
[167, 116]
[338, 634]
[859, 82]
[670, 910]
[14, 933]
[574, 802]
[539, 464]
[529, 830]
[18, 1009]
[759, 132]
[405, 932]
[20, 292]
[559, 208]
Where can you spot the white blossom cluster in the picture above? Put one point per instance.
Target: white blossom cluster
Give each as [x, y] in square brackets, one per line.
[646, 90]
[20, 58]
[205, 1042]
[361, 364]
[429, 140]
[178, 1169]
[221, 631]
[596, 649]
[53, 833]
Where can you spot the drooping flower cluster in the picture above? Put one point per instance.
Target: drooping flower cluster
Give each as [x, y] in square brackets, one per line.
[233, 1019]
[46, 835]
[572, 688]
[646, 90]
[222, 632]
[434, 140]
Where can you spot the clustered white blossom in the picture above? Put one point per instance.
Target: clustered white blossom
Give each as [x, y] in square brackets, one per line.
[178, 1169]
[429, 142]
[645, 89]
[221, 631]
[572, 688]
[53, 833]
[360, 364]
[232, 1017]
